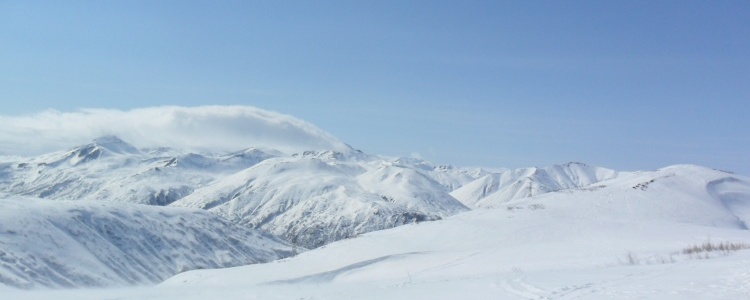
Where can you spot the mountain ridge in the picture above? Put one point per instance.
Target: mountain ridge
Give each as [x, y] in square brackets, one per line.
[302, 200]
[498, 188]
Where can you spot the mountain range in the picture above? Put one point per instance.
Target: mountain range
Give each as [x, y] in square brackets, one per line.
[108, 213]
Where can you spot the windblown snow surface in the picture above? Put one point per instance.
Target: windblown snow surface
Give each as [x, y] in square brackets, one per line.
[619, 238]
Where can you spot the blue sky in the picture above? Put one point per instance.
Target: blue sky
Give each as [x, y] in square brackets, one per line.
[621, 84]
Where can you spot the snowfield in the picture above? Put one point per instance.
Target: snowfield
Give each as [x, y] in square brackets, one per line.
[626, 237]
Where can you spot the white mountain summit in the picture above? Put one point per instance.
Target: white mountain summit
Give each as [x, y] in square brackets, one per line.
[316, 198]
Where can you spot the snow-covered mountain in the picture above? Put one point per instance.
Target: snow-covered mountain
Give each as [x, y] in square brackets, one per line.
[450, 177]
[310, 198]
[314, 198]
[498, 188]
[110, 169]
[96, 244]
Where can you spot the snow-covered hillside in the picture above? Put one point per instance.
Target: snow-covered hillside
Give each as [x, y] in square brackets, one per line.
[624, 238]
[567, 244]
[315, 198]
[498, 188]
[651, 214]
[95, 244]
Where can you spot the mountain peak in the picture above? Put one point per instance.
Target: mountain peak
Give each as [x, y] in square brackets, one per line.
[115, 145]
[108, 139]
[99, 147]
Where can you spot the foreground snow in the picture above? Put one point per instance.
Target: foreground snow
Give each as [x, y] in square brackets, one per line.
[619, 239]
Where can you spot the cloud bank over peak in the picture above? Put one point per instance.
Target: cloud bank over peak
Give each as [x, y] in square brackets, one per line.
[216, 128]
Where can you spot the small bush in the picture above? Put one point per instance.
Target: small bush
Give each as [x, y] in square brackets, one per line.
[512, 208]
[723, 247]
[633, 259]
[536, 206]
[701, 251]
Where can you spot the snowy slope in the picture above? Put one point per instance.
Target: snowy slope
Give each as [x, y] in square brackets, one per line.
[570, 244]
[497, 188]
[47, 243]
[315, 198]
[110, 169]
[567, 244]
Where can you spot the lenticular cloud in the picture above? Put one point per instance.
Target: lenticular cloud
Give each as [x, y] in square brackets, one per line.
[196, 128]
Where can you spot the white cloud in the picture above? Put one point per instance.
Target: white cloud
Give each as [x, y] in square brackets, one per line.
[218, 128]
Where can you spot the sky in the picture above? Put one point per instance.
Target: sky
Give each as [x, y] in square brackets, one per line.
[629, 85]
